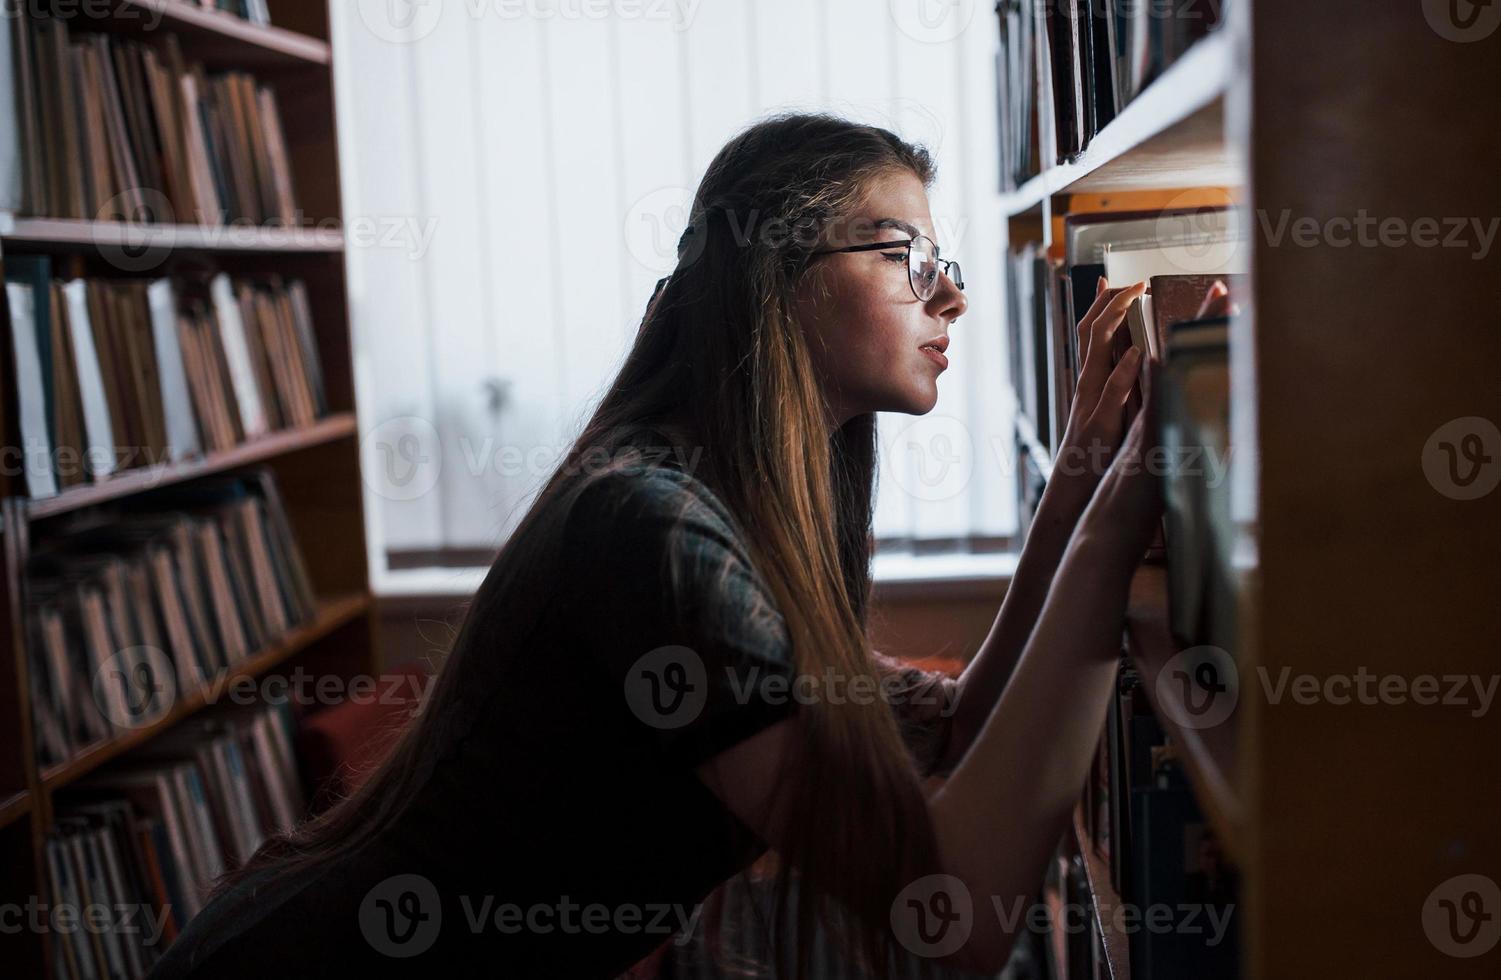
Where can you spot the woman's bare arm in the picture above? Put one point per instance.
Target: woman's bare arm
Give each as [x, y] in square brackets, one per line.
[1097, 421]
[1000, 814]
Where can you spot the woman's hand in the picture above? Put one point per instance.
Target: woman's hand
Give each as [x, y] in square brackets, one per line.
[1098, 416]
[1127, 505]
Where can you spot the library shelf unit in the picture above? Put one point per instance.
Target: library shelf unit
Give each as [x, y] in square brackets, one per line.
[316, 467]
[1345, 820]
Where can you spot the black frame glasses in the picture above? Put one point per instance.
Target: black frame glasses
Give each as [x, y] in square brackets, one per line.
[920, 280]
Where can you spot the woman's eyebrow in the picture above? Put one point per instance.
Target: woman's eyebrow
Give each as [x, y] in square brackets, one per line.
[898, 223]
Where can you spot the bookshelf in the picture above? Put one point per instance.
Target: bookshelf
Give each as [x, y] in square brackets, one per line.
[315, 466]
[1343, 821]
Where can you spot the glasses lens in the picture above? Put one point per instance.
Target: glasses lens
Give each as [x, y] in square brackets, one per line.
[922, 267]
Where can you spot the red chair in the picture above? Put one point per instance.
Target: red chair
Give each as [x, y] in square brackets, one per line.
[341, 745]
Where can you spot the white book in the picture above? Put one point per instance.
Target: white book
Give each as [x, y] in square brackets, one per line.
[206, 195]
[114, 871]
[182, 429]
[36, 441]
[97, 426]
[240, 799]
[1126, 266]
[274, 772]
[237, 353]
[1087, 241]
[96, 880]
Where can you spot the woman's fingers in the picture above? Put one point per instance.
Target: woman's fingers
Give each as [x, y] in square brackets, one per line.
[1122, 379]
[1102, 294]
[1097, 365]
[1216, 302]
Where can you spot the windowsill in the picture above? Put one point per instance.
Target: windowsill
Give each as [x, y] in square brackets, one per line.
[896, 575]
[959, 575]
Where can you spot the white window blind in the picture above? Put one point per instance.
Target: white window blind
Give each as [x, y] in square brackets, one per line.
[520, 174]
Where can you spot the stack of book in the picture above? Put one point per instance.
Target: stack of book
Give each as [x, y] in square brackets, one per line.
[1016, 90]
[145, 844]
[1180, 253]
[128, 616]
[113, 129]
[1142, 820]
[115, 375]
[1066, 68]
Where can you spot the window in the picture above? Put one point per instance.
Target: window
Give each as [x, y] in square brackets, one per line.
[473, 122]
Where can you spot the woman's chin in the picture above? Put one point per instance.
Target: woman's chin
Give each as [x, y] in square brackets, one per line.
[920, 401]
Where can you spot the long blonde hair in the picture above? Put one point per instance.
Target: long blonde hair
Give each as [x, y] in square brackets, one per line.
[721, 350]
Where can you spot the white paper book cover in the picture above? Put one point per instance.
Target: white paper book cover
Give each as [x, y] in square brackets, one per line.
[97, 425]
[182, 430]
[237, 353]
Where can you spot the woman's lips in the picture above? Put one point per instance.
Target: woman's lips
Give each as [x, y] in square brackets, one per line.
[936, 355]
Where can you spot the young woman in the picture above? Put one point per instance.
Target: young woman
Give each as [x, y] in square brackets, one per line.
[661, 676]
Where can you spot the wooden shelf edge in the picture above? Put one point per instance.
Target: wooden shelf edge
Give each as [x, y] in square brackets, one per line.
[337, 426]
[1208, 755]
[14, 807]
[1196, 80]
[261, 44]
[1103, 901]
[73, 234]
[332, 613]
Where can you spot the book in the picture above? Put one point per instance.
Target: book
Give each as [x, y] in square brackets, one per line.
[122, 374]
[236, 348]
[1178, 865]
[132, 613]
[98, 425]
[152, 836]
[28, 310]
[182, 436]
[1195, 424]
[109, 128]
[1077, 64]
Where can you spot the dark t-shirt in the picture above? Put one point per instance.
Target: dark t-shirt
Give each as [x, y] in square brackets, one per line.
[559, 830]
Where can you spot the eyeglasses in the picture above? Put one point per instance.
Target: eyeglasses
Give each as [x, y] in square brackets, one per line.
[923, 263]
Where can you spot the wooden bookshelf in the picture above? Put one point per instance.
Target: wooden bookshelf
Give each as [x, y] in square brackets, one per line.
[1207, 754]
[214, 35]
[14, 807]
[1103, 902]
[330, 614]
[317, 467]
[67, 234]
[340, 425]
[1170, 136]
[1342, 820]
